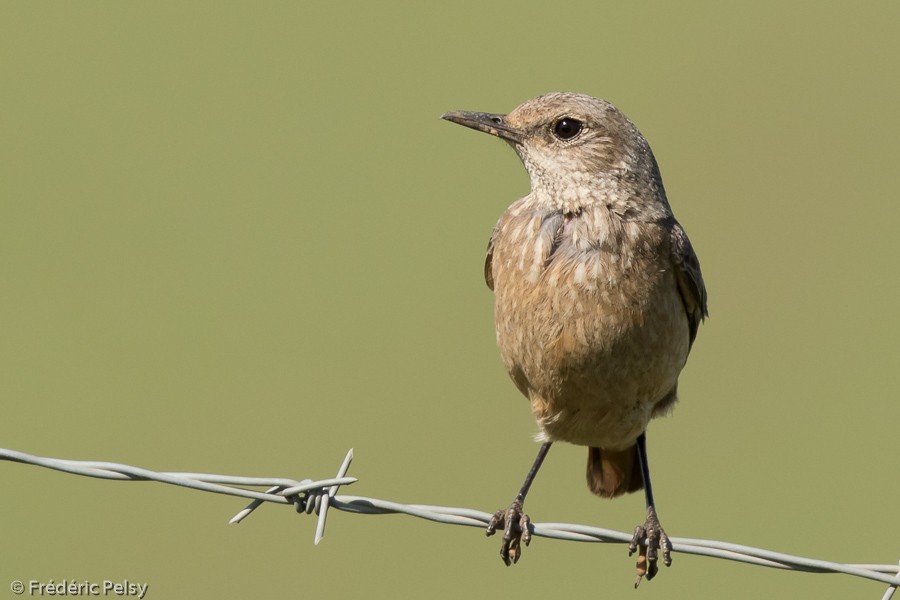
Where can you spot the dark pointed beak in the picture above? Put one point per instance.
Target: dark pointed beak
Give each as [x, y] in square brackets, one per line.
[486, 122]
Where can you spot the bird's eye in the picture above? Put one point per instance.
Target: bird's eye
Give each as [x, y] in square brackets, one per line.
[567, 128]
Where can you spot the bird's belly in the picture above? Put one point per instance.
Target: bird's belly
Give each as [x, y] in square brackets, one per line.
[594, 362]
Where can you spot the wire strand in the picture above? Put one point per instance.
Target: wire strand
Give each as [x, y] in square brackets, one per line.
[317, 496]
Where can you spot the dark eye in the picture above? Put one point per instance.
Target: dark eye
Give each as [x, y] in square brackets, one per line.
[567, 128]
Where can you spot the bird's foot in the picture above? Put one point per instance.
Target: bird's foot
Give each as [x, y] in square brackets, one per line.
[650, 539]
[516, 528]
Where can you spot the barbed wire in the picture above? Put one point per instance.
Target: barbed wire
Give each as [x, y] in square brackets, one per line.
[317, 496]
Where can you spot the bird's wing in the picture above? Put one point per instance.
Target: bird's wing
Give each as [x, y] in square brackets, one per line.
[690, 280]
[488, 269]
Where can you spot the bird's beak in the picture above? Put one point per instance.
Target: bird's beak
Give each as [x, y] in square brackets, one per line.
[486, 122]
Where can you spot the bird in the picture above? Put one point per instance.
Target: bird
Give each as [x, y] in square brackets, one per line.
[598, 296]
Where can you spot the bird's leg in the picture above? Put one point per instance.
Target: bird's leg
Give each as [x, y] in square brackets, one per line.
[514, 522]
[651, 530]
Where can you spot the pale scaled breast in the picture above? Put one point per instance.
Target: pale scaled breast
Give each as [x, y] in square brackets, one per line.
[578, 303]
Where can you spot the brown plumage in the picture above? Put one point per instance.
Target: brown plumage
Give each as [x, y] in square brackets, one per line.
[597, 292]
[611, 473]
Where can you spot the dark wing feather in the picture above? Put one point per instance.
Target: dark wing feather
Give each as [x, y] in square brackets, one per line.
[488, 269]
[690, 280]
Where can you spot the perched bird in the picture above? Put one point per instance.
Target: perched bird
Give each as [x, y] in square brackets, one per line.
[597, 297]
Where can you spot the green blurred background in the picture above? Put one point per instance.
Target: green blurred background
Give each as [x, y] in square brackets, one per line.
[236, 238]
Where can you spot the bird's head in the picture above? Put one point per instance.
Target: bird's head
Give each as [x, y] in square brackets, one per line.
[574, 146]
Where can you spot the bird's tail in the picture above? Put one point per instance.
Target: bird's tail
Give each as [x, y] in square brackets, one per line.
[611, 473]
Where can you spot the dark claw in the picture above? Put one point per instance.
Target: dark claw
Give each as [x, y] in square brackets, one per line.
[516, 529]
[650, 538]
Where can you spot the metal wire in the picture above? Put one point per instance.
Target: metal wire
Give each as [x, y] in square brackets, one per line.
[318, 496]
